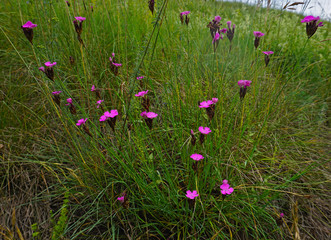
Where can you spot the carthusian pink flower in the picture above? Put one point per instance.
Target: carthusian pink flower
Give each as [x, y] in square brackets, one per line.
[113, 65]
[56, 92]
[93, 88]
[69, 101]
[49, 72]
[141, 94]
[217, 19]
[280, 219]
[257, 35]
[121, 199]
[99, 103]
[206, 104]
[181, 16]
[267, 57]
[124, 200]
[139, 78]
[193, 138]
[225, 188]
[71, 106]
[214, 100]
[80, 19]
[204, 130]
[68, 3]
[149, 116]
[281, 215]
[56, 97]
[192, 195]
[110, 117]
[243, 84]
[209, 105]
[311, 25]
[28, 30]
[81, 121]
[49, 64]
[196, 157]
[230, 31]
[78, 23]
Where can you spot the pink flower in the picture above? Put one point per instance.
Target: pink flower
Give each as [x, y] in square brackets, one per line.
[185, 13]
[99, 103]
[117, 64]
[223, 30]
[214, 100]
[191, 195]
[29, 25]
[196, 157]
[42, 69]
[139, 78]
[93, 88]
[320, 24]
[206, 104]
[121, 199]
[49, 64]
[225, 188]
[81, 121]
[244, 83]
[218, 19]
[80, 19]
[192, 133]
[281, 215]
[258, 34]
[113, 54]
[216, 38]
[69, 101]
[148, 114]
[310, 19]
[268, 52]
[204, 130]
[106, 115]
[56, 92]
[229, 24]
[141, 94]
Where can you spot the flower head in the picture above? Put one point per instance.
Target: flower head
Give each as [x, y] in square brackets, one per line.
[106, 115]
[214, 100]
[320, 24]
[42, 69]
[192, 133]
[216, 38]
[206, 104]
[81, 121]
[196, 157]
[99, 103]
[258, 34]
[92, 88]
[229, 24]
[223, 30]
[185, 13]
[204, 130]
[56, 93]
[139, 78]
[29, 25]
[141, 94]
[217, 18]
[117, 64]
[268, 52]
[80, 19]
[69, 101]
[121, 199]
[281, 215]
[191, 195]
[225, 188]
[49, 64]
[149, 115]
[244, 83]
[310, 19]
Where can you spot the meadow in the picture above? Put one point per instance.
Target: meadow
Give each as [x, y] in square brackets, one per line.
[87, 153]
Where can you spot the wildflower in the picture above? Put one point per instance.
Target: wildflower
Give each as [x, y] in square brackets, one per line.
[48, 70]
[182, 14]
[230, 32]
[281, 215]
[225, 188]
[205, 104]
[71, 106]
[56, 97]
[78, 23]
[243, 84]
[99, 103]
[279, 221]
[92, 8]
[192, 195]
[81, 122]
[92, 88]
[151, 4]
[217, 19]
[203, 131]
[210, 107]
[149, 116]
[196, 157]
[216, 40]
[257, 35]
[214, 26]
[28, 30]
[267, 57]
[110, 117]
[145, 100]
[124, 200]
[114, 66]
[311, 25]
[193, 138]
[68, 3]
[139, 78]
[97, 91]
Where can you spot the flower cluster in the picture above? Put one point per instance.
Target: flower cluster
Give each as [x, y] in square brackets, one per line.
[110, 117]
[257, 36]
[209, 105]
[311, 25]
[181, 16]
[243, 84]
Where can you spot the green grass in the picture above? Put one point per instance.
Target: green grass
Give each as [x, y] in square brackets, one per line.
[272, 146]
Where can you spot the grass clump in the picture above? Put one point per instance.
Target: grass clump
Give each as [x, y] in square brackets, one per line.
[124, 162]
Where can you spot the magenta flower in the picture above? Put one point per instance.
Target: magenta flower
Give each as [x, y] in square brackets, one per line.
[225, 188]
[49, 64]
[141, 94]
[149, 116]
[204, 130]
[267, 57]
[244, 83]
[311, 25]
[230, 31]
[117, 64]
[217, 19]
[69, 101]
[81, 121]
[214, 100]
[68, 4]
[139, 78]
[192, 195]
[42, 69]
[185, 13]
[93, 88]
[28, 30]
[196, 157]
[29, 25]
[99, 103]
[268, 52]
[106, 115]
[80, 19]
[216, 38]
[181, 16]
[121, 199]
[258, 34]
[56, 93]
[223, 30]
[206, 104]
[281, 215]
